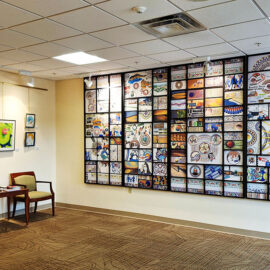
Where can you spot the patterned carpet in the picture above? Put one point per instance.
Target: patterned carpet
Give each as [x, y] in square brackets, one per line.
[81, 240]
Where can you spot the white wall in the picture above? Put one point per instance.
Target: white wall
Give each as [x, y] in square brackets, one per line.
[238, 213]
[15, 102]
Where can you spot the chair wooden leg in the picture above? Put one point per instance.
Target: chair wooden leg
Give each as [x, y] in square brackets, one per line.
[8, 206]
[14, 207]
[36, 203]
[27, 204]
[53, 211]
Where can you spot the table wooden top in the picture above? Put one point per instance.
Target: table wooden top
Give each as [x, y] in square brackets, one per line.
[12, 192]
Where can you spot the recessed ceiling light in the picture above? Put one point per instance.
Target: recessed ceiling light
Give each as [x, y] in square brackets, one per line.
[79, 58]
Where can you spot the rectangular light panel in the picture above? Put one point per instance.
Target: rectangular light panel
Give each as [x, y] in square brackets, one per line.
[79, 58]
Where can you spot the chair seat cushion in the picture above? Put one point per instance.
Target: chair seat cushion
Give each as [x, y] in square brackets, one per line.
[35, 195]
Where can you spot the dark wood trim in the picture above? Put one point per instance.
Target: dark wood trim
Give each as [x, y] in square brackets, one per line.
[21, 85]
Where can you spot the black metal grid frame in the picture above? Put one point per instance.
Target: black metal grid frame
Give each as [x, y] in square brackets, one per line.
[109, 137]
[152, 97]
[203, 179]
[245, 73]
[267, 183]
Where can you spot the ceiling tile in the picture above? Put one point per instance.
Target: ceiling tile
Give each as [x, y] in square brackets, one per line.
[48, 7]
[123, 35]
[24, 66]
[244, 30]
[191, 40]
[141, 67]
[5, 61]
[228, 13]
[76, 69]
[46, 29]
[5, 48]
[10, 15]
[188, 5]
[171, 56]
[117, 70]
[17, 40]
[88, 19]
[223, 48]
[155, 9]
[150, 47]
[258, 50]
[84, 43]
[114, 53]
[51, 63]
[265, 6]
[229, 55]
[249, 45]
[20, 56]
[48, 49]
[52, 74]
[103, 66]
[203, 58]
[137, 61]
[95, 1]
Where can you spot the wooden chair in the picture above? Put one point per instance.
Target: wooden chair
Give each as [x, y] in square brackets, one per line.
[28, 180]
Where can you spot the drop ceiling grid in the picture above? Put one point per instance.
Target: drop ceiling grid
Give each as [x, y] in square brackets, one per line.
[252, 15]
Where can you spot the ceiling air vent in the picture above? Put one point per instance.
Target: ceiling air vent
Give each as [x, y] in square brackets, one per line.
[172, 25]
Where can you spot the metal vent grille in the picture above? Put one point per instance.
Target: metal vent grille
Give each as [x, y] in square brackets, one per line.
[172, 25]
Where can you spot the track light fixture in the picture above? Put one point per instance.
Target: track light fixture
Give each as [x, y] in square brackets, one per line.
[28, 76]
[88, 81]
[31, 82]
[207, 66]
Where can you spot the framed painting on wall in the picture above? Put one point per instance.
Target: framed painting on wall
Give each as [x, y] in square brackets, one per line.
[30, 138]
[7, 135]
[30, 120]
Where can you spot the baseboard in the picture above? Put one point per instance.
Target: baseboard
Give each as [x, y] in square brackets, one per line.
[198, 225]
[22, 211]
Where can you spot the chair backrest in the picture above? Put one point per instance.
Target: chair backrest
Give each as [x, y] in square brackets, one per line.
[24, 178]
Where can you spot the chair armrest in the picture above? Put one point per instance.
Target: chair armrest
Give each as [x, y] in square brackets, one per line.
[47, 182]
[19, 185]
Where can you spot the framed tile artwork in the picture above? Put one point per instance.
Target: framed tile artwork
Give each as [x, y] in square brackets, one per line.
[182, 129]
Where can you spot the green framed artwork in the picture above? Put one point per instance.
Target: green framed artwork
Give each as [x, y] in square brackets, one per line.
[7, 135]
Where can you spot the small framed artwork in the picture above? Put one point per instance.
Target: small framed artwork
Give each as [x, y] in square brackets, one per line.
[7, 135]
[30, 120]
[30, 138]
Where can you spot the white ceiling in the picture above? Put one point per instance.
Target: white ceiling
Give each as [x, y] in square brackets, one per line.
[33, 31]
